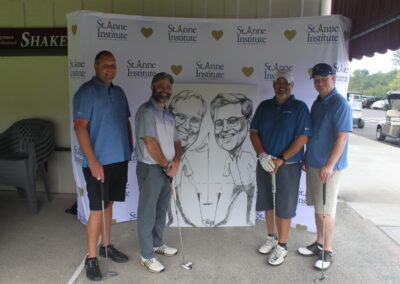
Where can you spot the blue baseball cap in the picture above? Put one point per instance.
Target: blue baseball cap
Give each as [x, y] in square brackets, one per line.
[323, 70]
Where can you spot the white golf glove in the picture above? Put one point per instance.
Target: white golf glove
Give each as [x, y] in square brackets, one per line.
[266, 162]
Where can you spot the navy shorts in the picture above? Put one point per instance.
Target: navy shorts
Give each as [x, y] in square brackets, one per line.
[115, 179]
[287, 190]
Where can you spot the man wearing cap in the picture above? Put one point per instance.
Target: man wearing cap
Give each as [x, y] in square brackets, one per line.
[158, 152]
[278, 131]
[101, 123]
[325, 158]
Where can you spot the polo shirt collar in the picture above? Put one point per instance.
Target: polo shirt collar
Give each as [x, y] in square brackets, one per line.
[289, 100]
[328, 97]
[153, 101]
[98, 81]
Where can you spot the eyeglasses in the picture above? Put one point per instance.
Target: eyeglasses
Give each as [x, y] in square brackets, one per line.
[232, 122]
[323, 80]
[162, 87]
[107, 66]
[181, 118]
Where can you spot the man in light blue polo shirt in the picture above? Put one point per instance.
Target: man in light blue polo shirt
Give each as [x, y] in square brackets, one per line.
[279, 129]
[325, 158]
[158, 152]
[101, 123]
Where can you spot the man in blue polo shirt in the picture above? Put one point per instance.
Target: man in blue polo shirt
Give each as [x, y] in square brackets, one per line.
[326, 157]
[101, 123]
[158, 152]
[278, 131]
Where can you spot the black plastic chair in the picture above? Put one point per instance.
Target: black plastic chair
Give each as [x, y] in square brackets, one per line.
[25, 148]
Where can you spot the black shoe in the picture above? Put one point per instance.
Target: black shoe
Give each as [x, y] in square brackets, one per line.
[113, 253]
[92, 269]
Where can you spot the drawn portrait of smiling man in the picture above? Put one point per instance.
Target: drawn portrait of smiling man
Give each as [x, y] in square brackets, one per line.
[231, 115]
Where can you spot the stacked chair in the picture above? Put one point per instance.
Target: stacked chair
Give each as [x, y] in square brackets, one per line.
[25, 148]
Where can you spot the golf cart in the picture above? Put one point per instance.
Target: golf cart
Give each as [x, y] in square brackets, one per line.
[355, 101]
[391, 126]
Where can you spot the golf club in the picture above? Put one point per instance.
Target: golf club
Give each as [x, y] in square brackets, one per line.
[201, 214]
[216, 206]
[108, 272]
[273, 182]
[322, 277]
[187, 265]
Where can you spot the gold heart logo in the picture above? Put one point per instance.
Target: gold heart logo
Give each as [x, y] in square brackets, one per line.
[217, 34]
[346, 35]
[74, 29]
[147, 32]
[247, 71]
[176, 69]
[309, 71]
[80, 191]
[301, 227]
[290, 34]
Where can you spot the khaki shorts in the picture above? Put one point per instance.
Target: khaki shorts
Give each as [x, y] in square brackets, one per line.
[314, 191]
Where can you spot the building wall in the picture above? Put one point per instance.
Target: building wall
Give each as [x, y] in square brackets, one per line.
[38, 86]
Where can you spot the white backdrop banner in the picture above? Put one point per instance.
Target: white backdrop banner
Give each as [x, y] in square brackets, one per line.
[203, 51]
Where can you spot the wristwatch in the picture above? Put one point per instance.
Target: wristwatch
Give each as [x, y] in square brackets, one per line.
[281, 157]
[166, 169]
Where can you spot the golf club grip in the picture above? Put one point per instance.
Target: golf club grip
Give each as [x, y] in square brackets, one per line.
[101, 190]
[273, 183]
[324, 193]
[173, 188]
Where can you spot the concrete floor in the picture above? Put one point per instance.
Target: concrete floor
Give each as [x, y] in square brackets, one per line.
[49, 246]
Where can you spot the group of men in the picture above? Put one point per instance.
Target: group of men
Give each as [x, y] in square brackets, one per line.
[279, 130]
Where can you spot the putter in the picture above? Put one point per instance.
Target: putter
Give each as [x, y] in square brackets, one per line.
[201, 213]
[216, 207]
[108, 272]
[322, 277]
[187, 265]
[273, 182]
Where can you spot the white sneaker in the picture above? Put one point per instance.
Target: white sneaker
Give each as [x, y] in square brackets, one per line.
[268, 245]
[152, 264]
[313, 249]
[166, 250]
[278, 255]
[324, 264]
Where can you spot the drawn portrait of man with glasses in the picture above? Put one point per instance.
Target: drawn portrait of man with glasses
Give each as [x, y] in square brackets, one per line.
[189, 108]
[231, 115]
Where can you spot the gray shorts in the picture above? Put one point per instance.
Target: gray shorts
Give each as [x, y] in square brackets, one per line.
[287, 190]
[314, 191]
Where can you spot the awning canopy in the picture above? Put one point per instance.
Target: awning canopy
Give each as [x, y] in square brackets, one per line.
[375, 27]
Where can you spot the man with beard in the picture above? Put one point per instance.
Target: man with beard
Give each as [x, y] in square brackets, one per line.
[231, 114]
[189, 109]
[158, 152]
[278, 131]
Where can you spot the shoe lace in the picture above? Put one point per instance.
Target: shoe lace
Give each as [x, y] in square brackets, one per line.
[149, 261]
[161, 249]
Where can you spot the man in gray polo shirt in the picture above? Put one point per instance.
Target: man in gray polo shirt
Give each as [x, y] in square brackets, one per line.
[158, 152]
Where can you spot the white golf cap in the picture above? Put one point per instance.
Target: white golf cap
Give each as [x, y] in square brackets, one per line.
[287, 75]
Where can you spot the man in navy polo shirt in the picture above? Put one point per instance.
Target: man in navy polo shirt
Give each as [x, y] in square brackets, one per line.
[279, 129]
[101, 123]
[326, 157]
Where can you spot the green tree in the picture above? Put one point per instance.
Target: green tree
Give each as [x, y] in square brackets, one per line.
[357, 80]
[395, 84]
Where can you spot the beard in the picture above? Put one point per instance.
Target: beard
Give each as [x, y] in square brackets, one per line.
[162, 99]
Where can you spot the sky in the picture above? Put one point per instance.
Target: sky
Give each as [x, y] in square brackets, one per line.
[379, 62]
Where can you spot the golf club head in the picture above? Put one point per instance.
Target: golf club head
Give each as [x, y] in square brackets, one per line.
[188, 265]
[111, 273]
[319, 279]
